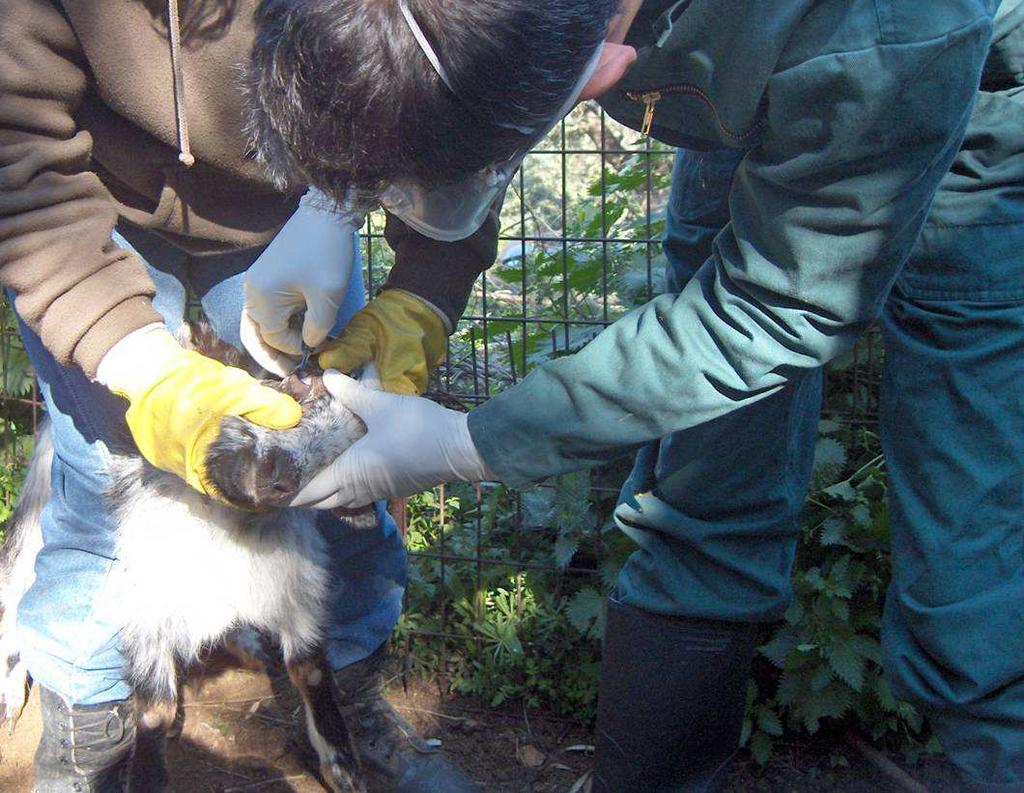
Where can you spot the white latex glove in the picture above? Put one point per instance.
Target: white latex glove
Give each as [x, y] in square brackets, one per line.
[411, 444]
[306, 268]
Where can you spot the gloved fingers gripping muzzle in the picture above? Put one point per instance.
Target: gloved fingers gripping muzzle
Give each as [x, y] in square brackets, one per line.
[456, 211]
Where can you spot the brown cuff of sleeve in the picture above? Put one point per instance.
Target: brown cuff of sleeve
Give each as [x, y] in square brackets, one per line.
[440, 272]
[118, 322]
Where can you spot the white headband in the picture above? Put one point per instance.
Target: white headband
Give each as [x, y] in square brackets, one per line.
[421, 39]
[424, 44]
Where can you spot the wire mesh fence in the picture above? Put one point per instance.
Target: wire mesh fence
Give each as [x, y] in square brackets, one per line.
[505, 587]
[494, 571]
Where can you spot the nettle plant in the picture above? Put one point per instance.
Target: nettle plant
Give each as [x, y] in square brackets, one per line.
[569, 290]
[534, 636]
[821, 668]
[529, 635]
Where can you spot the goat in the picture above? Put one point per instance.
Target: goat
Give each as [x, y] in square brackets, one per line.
[256, 565]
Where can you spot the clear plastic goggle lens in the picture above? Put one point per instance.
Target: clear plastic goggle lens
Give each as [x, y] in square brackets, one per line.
[456, 211]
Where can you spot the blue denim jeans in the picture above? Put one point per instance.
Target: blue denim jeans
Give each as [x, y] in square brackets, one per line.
[67, 623]
[718, 505]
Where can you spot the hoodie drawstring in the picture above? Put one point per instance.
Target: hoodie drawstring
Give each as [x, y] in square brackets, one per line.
[174, 25]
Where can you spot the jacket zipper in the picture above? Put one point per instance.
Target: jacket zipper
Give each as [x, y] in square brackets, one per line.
[651, 97]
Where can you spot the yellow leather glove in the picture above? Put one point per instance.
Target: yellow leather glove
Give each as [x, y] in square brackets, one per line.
[403, 335]
[179, 397]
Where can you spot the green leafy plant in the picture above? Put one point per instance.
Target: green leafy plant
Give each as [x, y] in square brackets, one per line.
[824, 663]
[9, 485]
[18, 444]
[16, 430]
[572, 281]
[524, 636]
[17, 377]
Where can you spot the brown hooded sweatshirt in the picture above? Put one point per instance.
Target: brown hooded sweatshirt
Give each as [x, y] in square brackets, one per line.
[93, 130]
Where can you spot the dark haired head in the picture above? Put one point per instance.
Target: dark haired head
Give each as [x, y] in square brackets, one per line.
[343, 97]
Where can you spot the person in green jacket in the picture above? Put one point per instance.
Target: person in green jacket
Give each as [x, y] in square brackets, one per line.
[850, 162]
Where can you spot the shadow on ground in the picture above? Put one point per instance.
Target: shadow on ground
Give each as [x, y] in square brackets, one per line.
[238, 737]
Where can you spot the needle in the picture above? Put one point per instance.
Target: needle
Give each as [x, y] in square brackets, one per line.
[304, 361]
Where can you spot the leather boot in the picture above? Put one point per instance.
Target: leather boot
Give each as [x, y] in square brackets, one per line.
[394, 758]
[670, 708]
[84, 748]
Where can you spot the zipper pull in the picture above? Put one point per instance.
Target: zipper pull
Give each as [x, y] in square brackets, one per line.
[650, 99]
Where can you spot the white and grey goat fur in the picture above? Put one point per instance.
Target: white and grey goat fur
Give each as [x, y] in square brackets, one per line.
[265, 570]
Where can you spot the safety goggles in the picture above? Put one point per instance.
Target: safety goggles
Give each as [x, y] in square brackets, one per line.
[456, 211]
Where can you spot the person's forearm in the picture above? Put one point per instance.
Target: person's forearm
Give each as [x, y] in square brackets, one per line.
[622, 21]
[441, 273]
[72, 285]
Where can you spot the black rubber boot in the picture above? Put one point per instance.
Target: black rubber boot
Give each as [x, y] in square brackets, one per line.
[671, 702]
[84, 748]
[394, 758]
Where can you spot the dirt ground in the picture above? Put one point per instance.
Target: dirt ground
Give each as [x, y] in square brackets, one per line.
[239, 737]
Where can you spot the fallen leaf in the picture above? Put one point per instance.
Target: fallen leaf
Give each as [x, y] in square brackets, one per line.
[469, 725]
[530, 756]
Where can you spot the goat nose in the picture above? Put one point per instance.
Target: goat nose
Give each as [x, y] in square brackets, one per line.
[277, 478]
[285, 474]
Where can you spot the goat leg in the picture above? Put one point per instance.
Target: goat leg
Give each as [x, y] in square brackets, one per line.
[157, 722]
[328, 733]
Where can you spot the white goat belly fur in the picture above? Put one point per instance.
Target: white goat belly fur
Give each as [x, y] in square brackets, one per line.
[264, 570]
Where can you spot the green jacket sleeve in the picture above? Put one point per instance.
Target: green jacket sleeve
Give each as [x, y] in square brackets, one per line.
[824, 212]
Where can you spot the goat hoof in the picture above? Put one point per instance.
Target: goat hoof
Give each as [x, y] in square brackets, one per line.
[340, 780]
